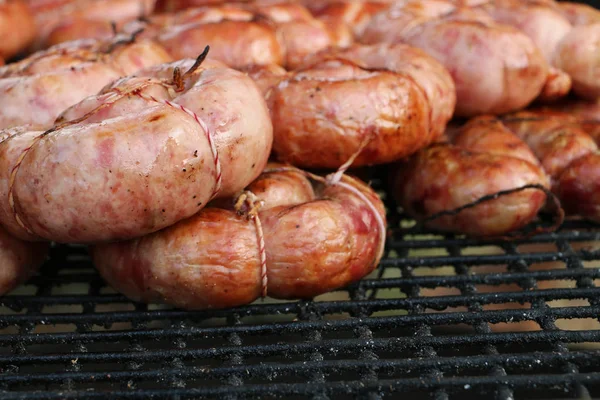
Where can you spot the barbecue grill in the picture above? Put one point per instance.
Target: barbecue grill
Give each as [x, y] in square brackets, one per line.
[442, 317]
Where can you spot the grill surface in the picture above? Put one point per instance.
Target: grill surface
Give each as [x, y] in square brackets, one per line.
[443, 317]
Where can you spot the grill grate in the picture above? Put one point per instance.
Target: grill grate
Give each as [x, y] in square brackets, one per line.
[443, 317]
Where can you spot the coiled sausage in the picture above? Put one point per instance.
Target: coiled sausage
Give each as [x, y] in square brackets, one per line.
[282, 34]
[37, 89]
[303, 241]
[390, 99]
[17, 27]
[483, 158]
[496, 68]
[143, 154]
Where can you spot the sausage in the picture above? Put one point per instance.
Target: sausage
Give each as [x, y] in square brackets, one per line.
[17, 27]
[577, 55]
[430, 75]
[579, 13]
[482, 159]
[320, 116]
[63, 20]
[355, 14]
[283, 34]
[496, 68]
[569, 48]
[151, 152]
[541, 20]
[19, 260]
[303, 241]
[36, 89]
[569, 155]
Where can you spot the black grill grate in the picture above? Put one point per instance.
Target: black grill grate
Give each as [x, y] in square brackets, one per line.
[443, 317]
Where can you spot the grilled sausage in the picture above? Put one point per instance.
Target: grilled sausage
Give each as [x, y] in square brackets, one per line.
[569, 155]
[17, 27]
[572, 49]
[36, 89]
[496, 68]
[321, 118]
[283, 34]
[19, 260]
[143, 154]
[304, 242]
[482, 159]
[64, 20]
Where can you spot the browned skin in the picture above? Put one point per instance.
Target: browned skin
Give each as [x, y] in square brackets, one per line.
[429, 74]
[135, 166]
[75, 19]
[316, 241]
[356, 14]
[446, 176]
[568, 153]
[80, 29]
[19, 260]
[496, 68]
[321, 118]
[17, 27]
[283, 34]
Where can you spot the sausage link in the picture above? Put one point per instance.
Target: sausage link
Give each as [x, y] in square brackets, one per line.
[19, 260]
[314, 241]
[320, 116]
[496, 68]
[65, 20]
[282, 34]
[568, 153]
[445, 177]
[17, 27]
[36, 89]
[150, 153]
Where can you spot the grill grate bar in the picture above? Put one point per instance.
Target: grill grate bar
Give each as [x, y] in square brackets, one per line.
[535, 382]
[479, 260]
[437, 303]
[445, 364]
[372, 322]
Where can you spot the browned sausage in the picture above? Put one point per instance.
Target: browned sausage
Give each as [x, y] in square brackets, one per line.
[61, 20]
[303, 242]
[485, 159]
[570, 156]
[17, 27]
[282, 34]
[391, 99]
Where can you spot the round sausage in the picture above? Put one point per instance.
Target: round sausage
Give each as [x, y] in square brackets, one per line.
[36, 89]
[484, 159]
[321, 117]
[496, 68]
[150, 152]
[303, 241]
[17, 27]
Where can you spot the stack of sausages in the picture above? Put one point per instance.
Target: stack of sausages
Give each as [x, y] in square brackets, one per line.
[177, 137]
